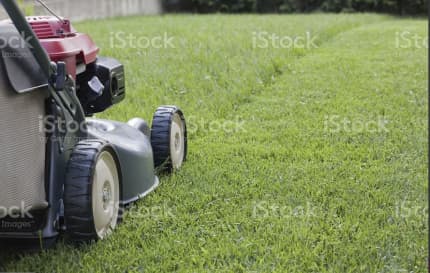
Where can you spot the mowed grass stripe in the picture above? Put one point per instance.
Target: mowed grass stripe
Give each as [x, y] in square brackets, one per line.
[361, 179]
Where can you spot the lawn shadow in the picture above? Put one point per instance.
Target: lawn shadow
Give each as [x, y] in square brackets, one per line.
[16, 250]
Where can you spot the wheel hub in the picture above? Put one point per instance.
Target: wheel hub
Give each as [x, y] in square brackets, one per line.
[107, 194]
[177, 141]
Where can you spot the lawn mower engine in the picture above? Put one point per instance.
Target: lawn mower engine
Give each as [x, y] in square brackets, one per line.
[61, 171]
[100, 81]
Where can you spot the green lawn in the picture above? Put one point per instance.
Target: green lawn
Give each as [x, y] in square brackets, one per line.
[300, 159]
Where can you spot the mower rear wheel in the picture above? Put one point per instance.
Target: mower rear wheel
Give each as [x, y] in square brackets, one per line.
[169, 138]
[91, 192]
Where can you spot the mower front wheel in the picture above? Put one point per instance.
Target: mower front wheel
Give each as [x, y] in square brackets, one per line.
[92, 191]
[169, 138]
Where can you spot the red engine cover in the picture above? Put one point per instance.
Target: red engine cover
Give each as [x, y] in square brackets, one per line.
[63, 43]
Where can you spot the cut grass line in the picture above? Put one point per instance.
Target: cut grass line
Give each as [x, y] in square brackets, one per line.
[277, 70]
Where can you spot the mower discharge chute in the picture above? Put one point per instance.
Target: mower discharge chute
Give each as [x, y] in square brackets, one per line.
[61, 170]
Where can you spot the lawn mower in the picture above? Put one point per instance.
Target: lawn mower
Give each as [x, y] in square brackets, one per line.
[61, 170]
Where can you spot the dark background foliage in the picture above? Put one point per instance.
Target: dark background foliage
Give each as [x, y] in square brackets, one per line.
[286, 6]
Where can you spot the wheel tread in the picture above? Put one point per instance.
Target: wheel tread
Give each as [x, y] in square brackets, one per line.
[160, 137]
[77, 191]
